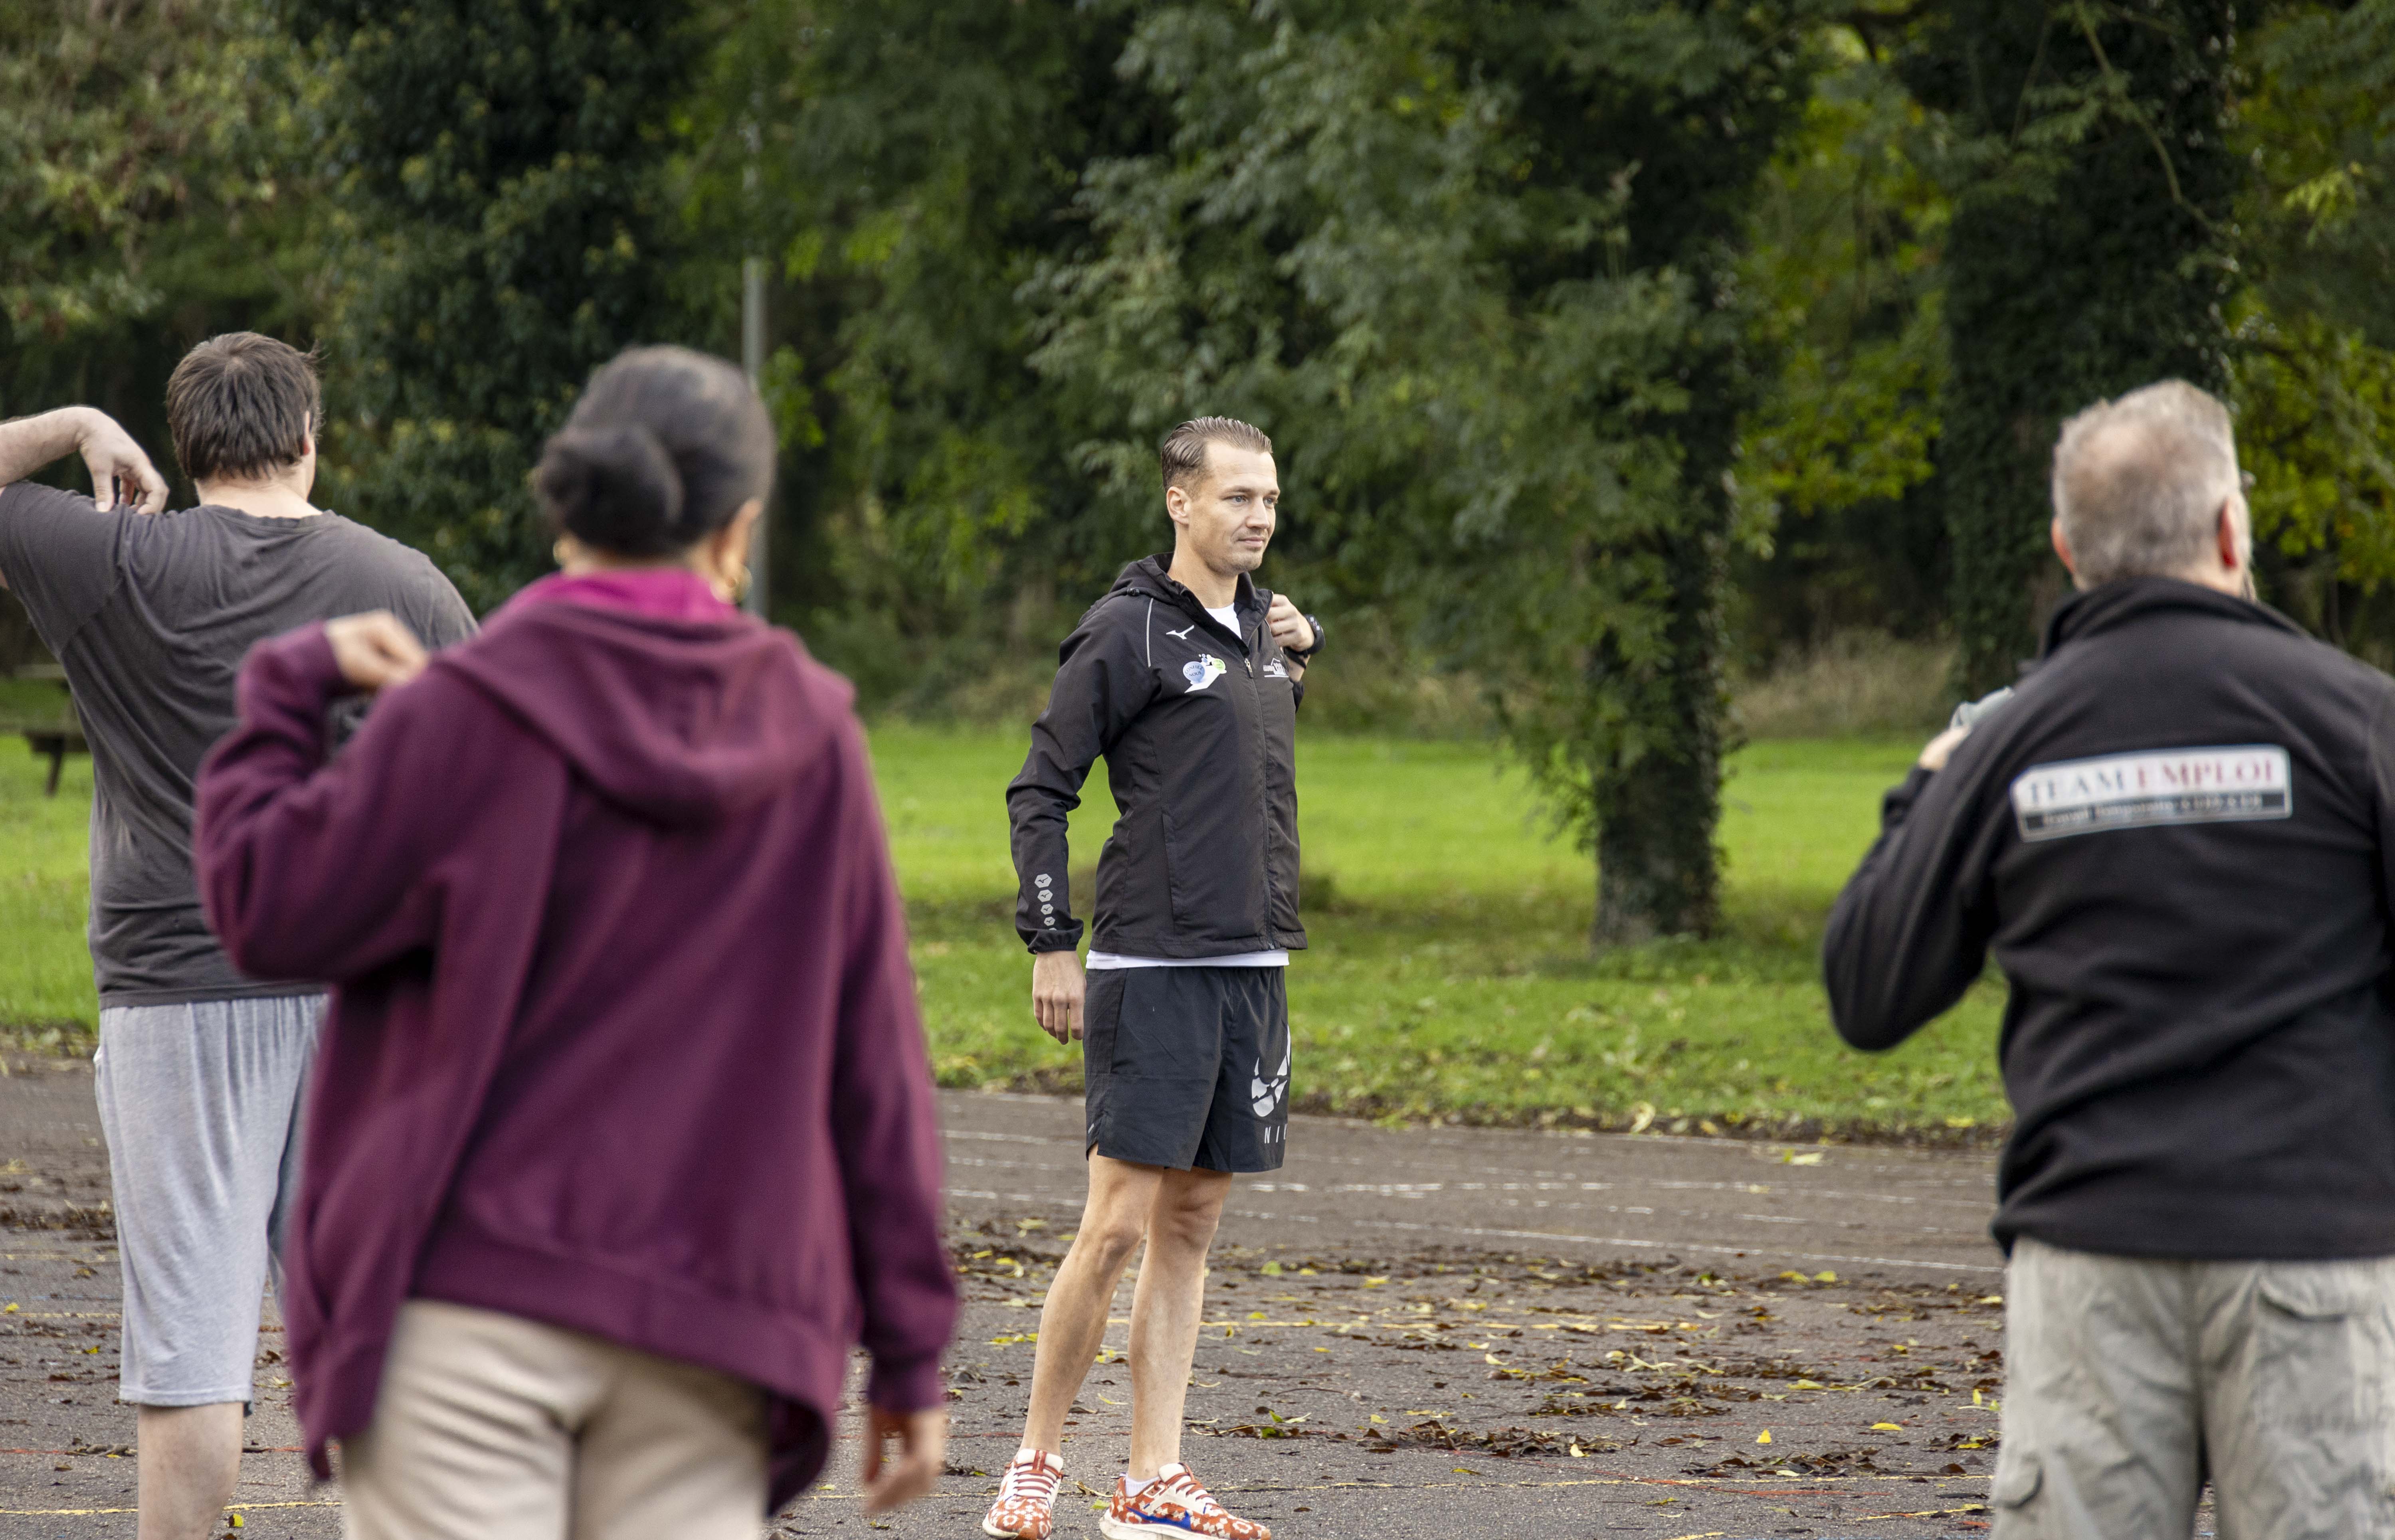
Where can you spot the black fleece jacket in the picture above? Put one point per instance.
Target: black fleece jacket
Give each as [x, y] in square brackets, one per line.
[1199, 728]
[2179, 836]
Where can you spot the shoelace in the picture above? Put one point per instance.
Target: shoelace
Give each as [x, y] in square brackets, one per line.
[1035, 1479]
[1195, 1498]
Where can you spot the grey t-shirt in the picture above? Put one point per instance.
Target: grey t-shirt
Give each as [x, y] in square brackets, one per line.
[152, 615]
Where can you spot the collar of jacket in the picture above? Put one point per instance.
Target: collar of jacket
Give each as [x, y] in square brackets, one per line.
[1152, 576]
[2121, 602]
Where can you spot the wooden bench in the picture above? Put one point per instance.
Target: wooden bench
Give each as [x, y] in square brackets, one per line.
[59, 737]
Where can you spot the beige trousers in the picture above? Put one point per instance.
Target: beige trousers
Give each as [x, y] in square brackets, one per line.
[2129, 1381]
[490, 1427]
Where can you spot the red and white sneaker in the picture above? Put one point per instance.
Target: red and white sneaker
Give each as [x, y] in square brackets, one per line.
[1173, 1503]
[1026, 1509]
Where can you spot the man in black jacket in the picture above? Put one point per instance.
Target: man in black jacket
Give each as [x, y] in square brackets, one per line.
[1185, 677]
[2178, 837]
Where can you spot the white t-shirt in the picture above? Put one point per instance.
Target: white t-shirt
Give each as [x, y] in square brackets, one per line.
[1099, 961]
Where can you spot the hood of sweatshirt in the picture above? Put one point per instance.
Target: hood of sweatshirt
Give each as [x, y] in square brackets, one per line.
[683, 722]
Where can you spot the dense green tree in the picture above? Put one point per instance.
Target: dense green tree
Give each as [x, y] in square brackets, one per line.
[506, 216]
[1840, 527]
[148, 205]
[915, 162]
[2090, 253]
[144, 197]
[1471, 265]
[2315, 355]
[2319, 124]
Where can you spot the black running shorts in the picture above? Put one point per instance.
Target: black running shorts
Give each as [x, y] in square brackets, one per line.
[1188, 1066]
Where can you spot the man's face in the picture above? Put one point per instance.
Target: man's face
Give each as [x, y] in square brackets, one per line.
[1224, 518]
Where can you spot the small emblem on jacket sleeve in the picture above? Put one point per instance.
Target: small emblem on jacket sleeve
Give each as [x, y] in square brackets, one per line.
[1202, 671]
[2132, 791]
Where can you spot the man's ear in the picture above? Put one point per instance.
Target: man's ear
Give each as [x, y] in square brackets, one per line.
[2233, 556]
[2062, 547]
[1176, 506]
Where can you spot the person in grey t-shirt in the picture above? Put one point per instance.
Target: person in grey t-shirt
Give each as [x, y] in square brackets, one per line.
[200, 1069]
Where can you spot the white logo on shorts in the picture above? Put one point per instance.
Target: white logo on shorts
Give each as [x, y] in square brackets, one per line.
[1267, 1091]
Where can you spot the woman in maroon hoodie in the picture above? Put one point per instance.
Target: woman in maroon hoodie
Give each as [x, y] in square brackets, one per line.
[621, 1132]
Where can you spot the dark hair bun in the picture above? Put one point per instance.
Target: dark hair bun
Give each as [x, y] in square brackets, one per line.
[613, 487]
[664, 448]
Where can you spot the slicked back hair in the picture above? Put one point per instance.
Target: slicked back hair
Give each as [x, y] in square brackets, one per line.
[2139, 481]
[1184, 452]
[242, 405]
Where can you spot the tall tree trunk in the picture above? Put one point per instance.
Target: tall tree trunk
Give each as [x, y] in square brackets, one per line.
[1657, 865]
[2109, 277]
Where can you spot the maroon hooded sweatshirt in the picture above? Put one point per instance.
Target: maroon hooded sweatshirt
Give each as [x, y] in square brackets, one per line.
[623, 1037]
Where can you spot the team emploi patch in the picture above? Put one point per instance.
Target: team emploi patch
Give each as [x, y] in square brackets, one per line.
[2131, 791]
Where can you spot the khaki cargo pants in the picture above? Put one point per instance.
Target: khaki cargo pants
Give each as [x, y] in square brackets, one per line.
[490, 1427]
[2129, 1381]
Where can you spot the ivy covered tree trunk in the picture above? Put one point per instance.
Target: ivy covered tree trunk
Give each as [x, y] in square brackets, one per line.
[1658, 869]
[2092, 258]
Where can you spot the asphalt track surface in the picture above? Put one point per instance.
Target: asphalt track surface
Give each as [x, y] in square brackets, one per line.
[1409, 1332]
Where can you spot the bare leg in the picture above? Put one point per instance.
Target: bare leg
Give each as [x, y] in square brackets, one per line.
[1073, 1321]
[189, 1457]
[1165, 1310]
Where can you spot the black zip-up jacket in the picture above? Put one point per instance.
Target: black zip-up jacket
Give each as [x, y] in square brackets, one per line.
[2179, 838]
[1199, 728]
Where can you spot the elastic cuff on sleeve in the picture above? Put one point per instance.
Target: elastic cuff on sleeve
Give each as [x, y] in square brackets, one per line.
[909, 1386]
[1053, 940]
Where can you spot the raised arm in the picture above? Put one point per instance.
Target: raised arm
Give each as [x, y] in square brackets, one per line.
[1910, 933]
[120, 472]
[323, 871]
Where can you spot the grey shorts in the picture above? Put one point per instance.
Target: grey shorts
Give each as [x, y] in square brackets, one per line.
[2129, 1382]
[201, 1105]
[1188, 1066]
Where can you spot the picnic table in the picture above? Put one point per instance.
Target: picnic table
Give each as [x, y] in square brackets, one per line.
[55, 735]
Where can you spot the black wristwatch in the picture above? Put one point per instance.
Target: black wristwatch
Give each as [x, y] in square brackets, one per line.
[1307, 656]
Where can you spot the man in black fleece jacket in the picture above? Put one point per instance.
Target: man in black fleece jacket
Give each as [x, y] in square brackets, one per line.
[1186, 678]
[2175, 837]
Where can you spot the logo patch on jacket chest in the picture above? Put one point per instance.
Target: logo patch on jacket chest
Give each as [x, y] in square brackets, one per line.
[2131, 790]
[1202, 671]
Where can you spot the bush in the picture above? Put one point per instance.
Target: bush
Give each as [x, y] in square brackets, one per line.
[1857, 683]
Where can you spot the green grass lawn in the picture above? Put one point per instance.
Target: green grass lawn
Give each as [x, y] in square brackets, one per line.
[45, 997]
[1448, 976]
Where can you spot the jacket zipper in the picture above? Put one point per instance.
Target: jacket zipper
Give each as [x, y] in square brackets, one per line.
[1263, 779]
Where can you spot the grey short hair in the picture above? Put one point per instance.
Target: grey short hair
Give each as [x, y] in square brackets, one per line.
[2138, 482]
[1182, 454]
